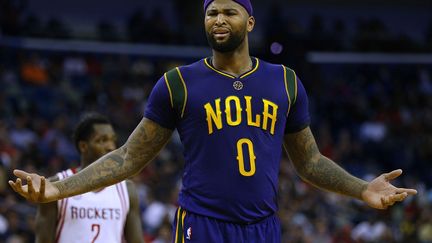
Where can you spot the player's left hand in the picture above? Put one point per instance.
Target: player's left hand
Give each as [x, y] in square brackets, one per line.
[381, 194]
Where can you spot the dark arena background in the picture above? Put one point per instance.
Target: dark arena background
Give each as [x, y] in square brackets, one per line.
[366, 65]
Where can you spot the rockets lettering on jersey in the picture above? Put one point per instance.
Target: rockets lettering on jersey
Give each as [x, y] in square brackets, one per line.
[93, 216]
[95, 213]
[232, 135]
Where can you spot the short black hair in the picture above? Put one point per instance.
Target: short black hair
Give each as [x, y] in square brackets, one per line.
[85, 126]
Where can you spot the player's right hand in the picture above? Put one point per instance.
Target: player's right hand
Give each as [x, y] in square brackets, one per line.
[37, 188]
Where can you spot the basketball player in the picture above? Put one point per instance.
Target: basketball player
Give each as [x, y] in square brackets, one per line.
[108, 214]
[234, 113]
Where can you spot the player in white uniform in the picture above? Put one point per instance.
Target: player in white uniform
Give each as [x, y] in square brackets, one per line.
[109, 215]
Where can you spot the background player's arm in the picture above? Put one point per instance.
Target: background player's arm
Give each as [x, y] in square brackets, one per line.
[133, 230]
[319, 170]
[46, 220]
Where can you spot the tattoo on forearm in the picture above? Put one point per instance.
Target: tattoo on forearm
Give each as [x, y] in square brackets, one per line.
[319, 170]
[142, 146]
[116, 158]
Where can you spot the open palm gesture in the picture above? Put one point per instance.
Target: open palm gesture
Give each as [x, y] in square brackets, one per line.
[37, 188]
[381, 194]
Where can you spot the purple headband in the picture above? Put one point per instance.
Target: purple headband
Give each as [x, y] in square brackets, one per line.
[245, 3]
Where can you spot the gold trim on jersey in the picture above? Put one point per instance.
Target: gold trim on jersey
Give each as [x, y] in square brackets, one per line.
[169, 90]
[295, 86]
[185, 89]
[179, 234]
[253, 70]
[286, 89]
[214, 69]
[177, 226]
[183, 219]
[230, 75]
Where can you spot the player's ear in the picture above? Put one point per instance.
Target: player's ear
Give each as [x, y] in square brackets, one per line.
[250, 24]
[82, 147]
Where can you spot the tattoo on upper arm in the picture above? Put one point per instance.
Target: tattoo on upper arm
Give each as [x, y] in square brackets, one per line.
[144, 143]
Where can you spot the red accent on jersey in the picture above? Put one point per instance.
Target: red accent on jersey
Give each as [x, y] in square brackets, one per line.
[63, 216]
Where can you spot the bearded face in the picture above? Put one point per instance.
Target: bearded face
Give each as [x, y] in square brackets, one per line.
[224, 39]
[227, 24]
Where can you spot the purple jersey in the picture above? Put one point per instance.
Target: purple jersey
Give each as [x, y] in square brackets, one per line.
[232, 130]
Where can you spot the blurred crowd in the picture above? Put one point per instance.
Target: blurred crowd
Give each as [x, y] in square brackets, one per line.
[314, 31]
[369, 118]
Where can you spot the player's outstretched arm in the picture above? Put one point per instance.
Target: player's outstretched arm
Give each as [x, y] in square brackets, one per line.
[322, 172]
[142, 146]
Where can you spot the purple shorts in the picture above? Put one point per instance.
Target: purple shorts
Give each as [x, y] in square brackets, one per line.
[190, 227]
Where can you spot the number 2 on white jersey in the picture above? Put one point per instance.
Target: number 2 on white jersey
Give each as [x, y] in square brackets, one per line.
[95, 227]
[240, 157]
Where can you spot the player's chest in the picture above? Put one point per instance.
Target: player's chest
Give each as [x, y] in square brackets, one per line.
[220, 103]
[237, 95]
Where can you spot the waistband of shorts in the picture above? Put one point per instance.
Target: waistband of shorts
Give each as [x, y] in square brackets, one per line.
[260, 220]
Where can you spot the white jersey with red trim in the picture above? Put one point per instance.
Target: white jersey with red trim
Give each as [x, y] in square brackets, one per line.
[93, 216]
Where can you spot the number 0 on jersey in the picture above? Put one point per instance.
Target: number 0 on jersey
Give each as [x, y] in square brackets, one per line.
[240, 157]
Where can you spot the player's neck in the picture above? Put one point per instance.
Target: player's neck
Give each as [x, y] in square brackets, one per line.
[235, 63]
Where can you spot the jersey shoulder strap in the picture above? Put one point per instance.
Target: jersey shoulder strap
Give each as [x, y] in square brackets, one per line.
[177, 90]
[290, 79]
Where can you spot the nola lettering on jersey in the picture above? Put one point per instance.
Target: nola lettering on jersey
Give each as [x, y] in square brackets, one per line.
[233, 114]
[95, 213]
